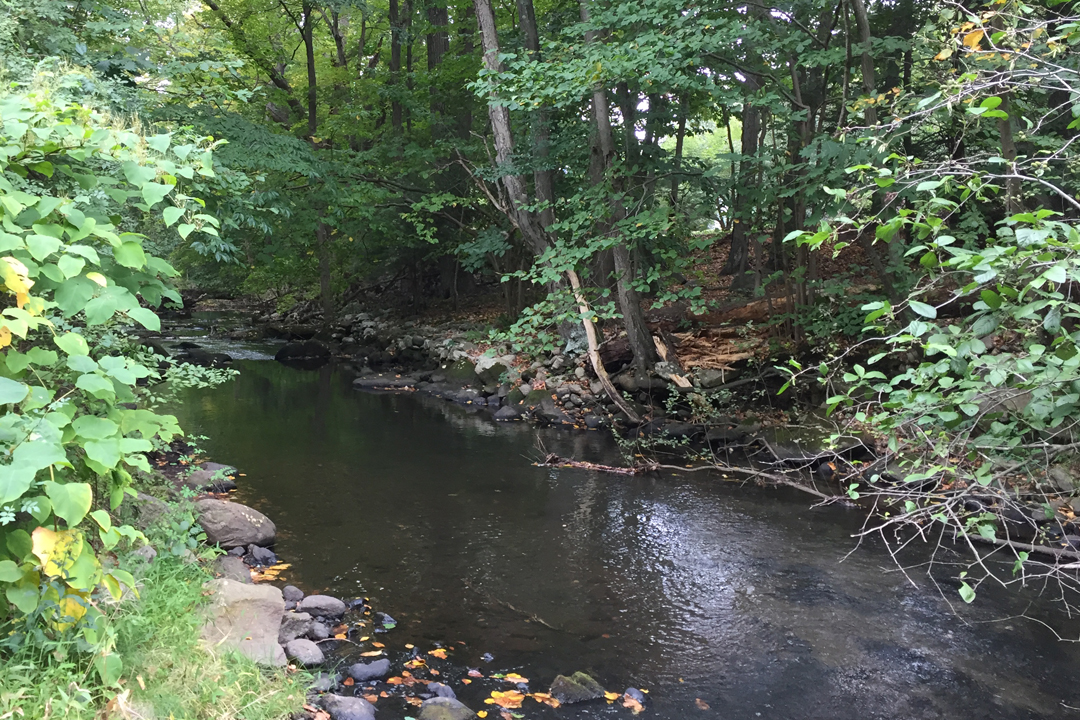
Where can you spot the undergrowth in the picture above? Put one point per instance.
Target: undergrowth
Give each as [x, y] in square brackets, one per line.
[169, 673]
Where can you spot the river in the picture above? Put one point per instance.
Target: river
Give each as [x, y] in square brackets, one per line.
[738, 598]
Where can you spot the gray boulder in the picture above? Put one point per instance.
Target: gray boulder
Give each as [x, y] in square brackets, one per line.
[231, 525]
[579, 687]
[233, 568]
[342, 707]
[442, 708]
[245, 618]
[304, 652]
[362, 672]
[293, 625]
[291, 593]
[322, 606]
[319, 631]
[507, 413]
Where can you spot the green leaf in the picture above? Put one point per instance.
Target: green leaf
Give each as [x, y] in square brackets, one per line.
[73, 344]
[9, 572]
[109, 668]
[104, 452]
[171, 215]
[96, 385]
[1056, 274]
[147, 318]
[42, 246]
[160, 142]
[967, 594]
[927, 311]
[185, 229]
[153, 192]
[92, 427]
[12, 391]
[130, 254]
[71, 501]
[70, 266]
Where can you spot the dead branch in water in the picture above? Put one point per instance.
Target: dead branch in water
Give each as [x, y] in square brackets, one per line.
[553, 460]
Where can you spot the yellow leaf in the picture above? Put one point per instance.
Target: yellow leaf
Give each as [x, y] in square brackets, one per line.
[972, 39]
[371, 653]
[481, 714]
[57, 551]
[944, 54]
[5, 336]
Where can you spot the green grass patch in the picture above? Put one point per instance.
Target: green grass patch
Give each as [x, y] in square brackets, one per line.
[167, 673]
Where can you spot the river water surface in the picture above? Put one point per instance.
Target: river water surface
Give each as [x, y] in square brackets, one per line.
[704, 593]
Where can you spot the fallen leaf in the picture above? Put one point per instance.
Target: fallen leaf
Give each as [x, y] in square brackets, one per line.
[378, 645]
[508, 699]
[467, 681]
[475, 673]
[438, 652]
[394, 681]
[515, 678]
[701, 704]
[372, 698]
[634, 705]
[481, 714]
[414, 701]
[340, 636]
[611, 697]
[348, 682]
[371, 653]
[409, 646]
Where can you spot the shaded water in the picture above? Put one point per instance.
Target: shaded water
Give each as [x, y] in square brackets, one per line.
[686, 586]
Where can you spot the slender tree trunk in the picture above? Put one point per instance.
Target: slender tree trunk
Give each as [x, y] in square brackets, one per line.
[438, 44]
[629, 300]
[543, 176]
[738, 259]
[858, 9]
[326, 290]
[396, 110]
[680, 137]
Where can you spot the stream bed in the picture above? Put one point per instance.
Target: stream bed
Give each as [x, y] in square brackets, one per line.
[723, 600]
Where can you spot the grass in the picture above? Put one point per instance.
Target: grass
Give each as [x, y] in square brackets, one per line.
[168, 673]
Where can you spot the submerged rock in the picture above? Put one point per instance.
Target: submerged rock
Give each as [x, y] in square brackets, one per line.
[579, 687]
[441, 690]
[245, 618]
[341, 707]
[444, 708]
[306, 350]
[231, 525]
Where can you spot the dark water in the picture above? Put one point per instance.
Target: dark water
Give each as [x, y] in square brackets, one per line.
[686, 586]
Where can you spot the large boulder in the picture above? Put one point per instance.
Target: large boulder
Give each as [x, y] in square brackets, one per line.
[304, 652]
[579, 687]
[322, 606]
[245, 618]
[490, 369]
[231, 525]
[305, 355]
[444, 708]
[342, 707]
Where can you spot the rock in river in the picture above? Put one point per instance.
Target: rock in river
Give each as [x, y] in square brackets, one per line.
[304, 652]
[291, 593]
[322, 606]
[231, 525]
[245, 618]
[362, 672]
[441, 708]
[293, 625]
[579, 687]
[232, 568]
[342, 707]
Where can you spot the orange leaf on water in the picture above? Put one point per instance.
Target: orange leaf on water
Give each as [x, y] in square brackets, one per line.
[371, 653]
[439, 653]
[701, 704]
[467, 681]
[394, 681]
[509, 699]
[378, 645]
[372, 698]
[348, 682]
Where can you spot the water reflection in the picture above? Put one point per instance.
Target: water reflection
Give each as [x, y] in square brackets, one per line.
[686, 586]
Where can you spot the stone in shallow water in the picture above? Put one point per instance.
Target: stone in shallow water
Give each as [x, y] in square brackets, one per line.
[441, 690]
[579, 687]
[304, 652]
[293, 625]
[291, 593]
[322, 606]
[341, 707]
[362, 672]
[442, 708]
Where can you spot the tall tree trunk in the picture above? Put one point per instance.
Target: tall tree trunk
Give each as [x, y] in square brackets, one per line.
[312, 90]
[680, 138]
[515, 189]
[396, 111]
[629, 300]
[438, 44]
[858, 9]
[738, 260]
[543, 176]
[326, 291]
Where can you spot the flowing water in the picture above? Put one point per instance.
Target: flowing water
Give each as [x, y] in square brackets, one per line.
[705, 593]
